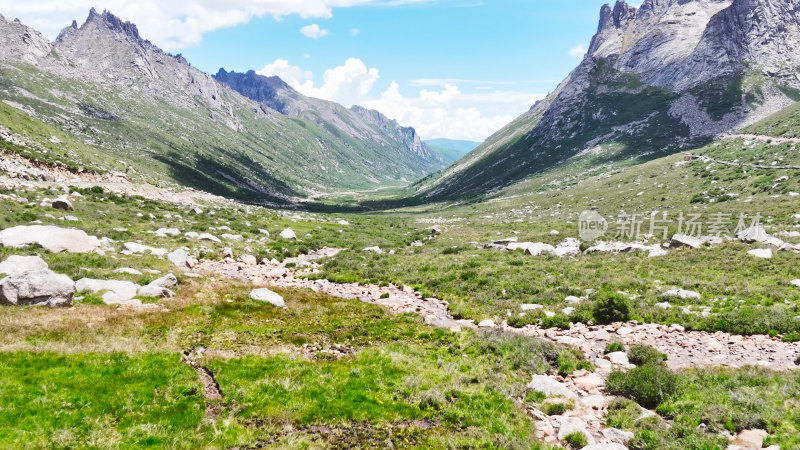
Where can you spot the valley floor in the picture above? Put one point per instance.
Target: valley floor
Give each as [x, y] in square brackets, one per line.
[416, 328]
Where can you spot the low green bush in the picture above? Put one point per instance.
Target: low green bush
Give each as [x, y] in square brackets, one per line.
[613, 347]
[610, 307]
[576, 440]
[641, 355]
[648, 385]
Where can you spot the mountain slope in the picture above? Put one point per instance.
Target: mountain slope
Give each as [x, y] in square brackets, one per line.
[668, 75]
[451, 150]
[371, 128]
[154, 115]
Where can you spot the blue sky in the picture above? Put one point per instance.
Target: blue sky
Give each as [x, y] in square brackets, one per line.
[451, 68]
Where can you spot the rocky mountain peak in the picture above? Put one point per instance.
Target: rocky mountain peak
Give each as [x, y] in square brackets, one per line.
[113, 23]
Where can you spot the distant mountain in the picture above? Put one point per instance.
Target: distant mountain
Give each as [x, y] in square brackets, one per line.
[133, 107]
[451, 150]
[368, 127]
[668, 75]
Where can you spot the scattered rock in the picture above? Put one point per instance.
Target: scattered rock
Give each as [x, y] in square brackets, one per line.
[154, 291]
[265, 295]
[128, 270]
[113, 291]
[167, 281]
[506, 241]
[288, 234]
[531, 307]
[590, 382]
[618, 358]
[164, 232]
[232, 237]
[250, 260]
[765, 253]
[37, 288]
[63, 203]
[17, 265]
[682, 293]
[750, 439]
[373, 249]
[51, 238]
[486, 323]
[550, 387]
[605, 446]
[796, 282]
[618, 436]
[209, 237]
[134, 248]
[537, 248]
[181, 259]
[756, 233]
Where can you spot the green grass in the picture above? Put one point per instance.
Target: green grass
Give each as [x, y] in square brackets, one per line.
[98, 400]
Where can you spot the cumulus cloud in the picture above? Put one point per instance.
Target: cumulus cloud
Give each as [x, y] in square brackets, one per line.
[313, 31]
[170, 24]
[439, 113]
[288, 73]
[578, 51]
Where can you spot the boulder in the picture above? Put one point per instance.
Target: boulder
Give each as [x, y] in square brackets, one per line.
[17, 265]
[531, 306]
[139, 249]
[537, 248]
[164, 232]
[128, 270]
[764, 253]
[574, 426]
[113, 291]
[232, 237]
[590, 382]
[154, 291]
[265, 295]
[208, 237]
[756, 233]
[605, 446]
[63, 203]
[506, 241]
[618, 436]
[682, 293]
[288, 234]
[618, 358]
[37, 288]
[167, 281]
[51, 238]
[373, 249]
[684, 240]
[181, 259]
[550, 387]
[796, 283]
[750, 439]
[250, 260]
[486, 323]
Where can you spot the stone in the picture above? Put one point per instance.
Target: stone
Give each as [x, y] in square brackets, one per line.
[164, 232]
[167, 281]
[139, 249]
[37, 288]
[506, 241]
[63, 203]
[17, 265]
[756, 233]
[682, 293]
[232, 237]
[573, 299]
[550, 387]
[250, 260]
[155, 292]
[113, 291]
[537, 248]
[597, 401]
[531, 306]
[265, 295]
[750, 439]
[764, 253]
[684, 240]
[373, 249]
[181, 259]
[605, 446]
[51, 238]
[209, 237]
[618, 358]
[227, 252]
[663, 305]
[486, 323]
[343, 223]
[573, 426]
[603, 364]
[288, 234]
[128, 271]
[618, 436]
[567, 340]
[590, 382]
[796, 283]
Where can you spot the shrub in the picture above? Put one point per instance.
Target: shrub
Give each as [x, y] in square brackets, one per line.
[648, 385]
[641, 355]
[571, 360]
[622, 413]
[576, 440]
[556, 409]
[385, 295]
[614, 347]
[611, 307]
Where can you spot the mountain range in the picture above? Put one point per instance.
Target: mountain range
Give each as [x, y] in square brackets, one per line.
[125, 105]
[666, 76]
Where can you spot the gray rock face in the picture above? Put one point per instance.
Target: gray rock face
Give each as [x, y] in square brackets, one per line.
[181, 259]
[37, 288]
[53, 239]
[265, 295]
[17, 265]
[288, 234]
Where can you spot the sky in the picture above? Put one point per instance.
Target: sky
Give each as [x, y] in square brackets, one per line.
[456, 69]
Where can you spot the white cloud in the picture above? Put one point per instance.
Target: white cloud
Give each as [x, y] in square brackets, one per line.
[354, 32]
[578, 51]
[290, 74]
[444, 113]
[171, 24]
[313, 31]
